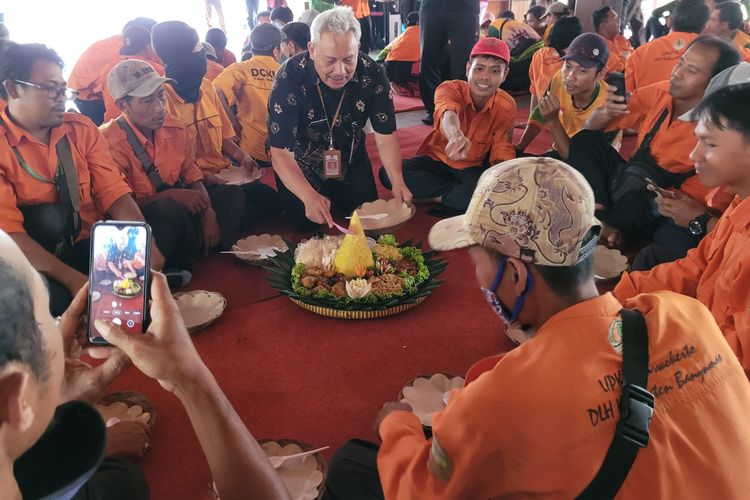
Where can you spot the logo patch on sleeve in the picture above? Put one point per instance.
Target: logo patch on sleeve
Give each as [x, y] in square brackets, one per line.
[615, 335]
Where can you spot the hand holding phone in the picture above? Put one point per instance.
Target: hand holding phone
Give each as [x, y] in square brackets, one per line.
[617, 80]
[119, 276]
[654, 188]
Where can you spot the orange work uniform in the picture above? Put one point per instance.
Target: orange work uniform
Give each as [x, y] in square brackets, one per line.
[227, 57]
[672, 144]
[716, 273]
[213, 69]
[171, 151]
[361, 8]
[111, 111]
[538, 424]
[619, 52]
[653, 62]
[488, 129]
[247, 85]
[405, 47]
[207, 123]
[100, 183]
[85, 75]
[741, 41]
[544, 64]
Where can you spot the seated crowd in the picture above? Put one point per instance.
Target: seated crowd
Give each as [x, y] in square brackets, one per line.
[162, 119]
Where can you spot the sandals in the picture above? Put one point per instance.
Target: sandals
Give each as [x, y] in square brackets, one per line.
[128, 405]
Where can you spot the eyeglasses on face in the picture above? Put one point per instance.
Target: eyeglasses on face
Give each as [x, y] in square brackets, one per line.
[53, 91]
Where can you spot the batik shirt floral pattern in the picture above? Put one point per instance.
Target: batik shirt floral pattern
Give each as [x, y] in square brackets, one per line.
[297, 121]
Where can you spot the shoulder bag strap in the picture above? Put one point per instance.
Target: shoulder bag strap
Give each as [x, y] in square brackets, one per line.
[148, 166]
[66, 180]
[646, 144]
[636, 411]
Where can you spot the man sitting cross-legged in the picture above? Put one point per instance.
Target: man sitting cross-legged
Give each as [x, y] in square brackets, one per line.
[665, 138]
[473, 125]
[157, 157]
[575, 91]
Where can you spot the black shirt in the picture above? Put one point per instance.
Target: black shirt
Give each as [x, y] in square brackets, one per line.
[465, 6]
[297, 122]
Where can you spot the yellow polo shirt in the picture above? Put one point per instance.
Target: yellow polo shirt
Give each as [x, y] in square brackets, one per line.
[207, 123]
[247, 85]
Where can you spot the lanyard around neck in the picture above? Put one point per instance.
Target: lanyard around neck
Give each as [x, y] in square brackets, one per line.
[27, 168]
[325, 113]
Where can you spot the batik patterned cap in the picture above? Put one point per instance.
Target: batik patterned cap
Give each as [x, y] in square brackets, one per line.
[536, 209]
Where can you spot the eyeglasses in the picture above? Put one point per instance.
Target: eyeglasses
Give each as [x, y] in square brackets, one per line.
[53, 91]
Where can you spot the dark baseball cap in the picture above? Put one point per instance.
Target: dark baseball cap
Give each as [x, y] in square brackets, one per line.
[265, 37]
[589, 50]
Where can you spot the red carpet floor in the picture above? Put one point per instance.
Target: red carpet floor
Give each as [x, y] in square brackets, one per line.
[403, 104]
[291, 374]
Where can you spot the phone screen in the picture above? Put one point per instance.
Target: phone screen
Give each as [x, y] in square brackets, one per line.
[119, 276]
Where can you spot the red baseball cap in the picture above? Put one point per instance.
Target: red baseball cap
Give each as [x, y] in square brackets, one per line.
[491, 46]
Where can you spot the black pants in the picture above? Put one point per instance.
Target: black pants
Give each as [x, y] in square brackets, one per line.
[357, 187]
[261, 201]
[115, 479]
[78, 258]
[435, 29]
[427, 178]
[177, 232]
[635, 213]
[398, 72]
[365, 40]
[93, 109]
[252, 11]
[353, 473]
[518, 76]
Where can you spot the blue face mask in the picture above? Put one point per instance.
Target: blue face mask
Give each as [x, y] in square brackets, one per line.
[509, 318]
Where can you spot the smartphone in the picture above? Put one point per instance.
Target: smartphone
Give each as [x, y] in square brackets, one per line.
[658, 190]
[119, 276]
[618, 80]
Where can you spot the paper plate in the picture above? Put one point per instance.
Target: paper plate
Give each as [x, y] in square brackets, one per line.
[303, 477]
[237, 176]
[262, 246]
[126, 406]
[609, 263]
[428, 394]
[397, 215]
[200, 308]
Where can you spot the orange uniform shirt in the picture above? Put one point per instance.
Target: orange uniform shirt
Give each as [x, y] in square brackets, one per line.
[539, 423]
[361, 8]
[213, 69]
[544, 64]
[405, 47]
[716, 273]
[247, 85]
[227, 58]
[619, 52]
[653, 62]
[111, 111]
[171, 151]
[208, 125]
[741, 41]
[488, 129]
[99, 180]
[672, 144]
[85, 75]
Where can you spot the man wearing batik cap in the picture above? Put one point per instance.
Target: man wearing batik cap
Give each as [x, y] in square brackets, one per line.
[541, 419]
[575, 91]
[473, 126]
[186, 217]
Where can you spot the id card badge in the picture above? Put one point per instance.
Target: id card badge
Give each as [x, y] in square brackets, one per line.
[332, 163]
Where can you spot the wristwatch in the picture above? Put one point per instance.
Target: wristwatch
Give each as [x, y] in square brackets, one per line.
[698, 226]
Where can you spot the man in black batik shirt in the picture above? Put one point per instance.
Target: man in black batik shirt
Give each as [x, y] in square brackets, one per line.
[319, 104]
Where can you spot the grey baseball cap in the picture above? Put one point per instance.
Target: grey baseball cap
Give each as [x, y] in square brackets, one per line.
[135, 78]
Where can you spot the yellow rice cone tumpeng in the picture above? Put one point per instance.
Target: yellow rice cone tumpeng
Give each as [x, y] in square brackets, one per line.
[354, 252]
